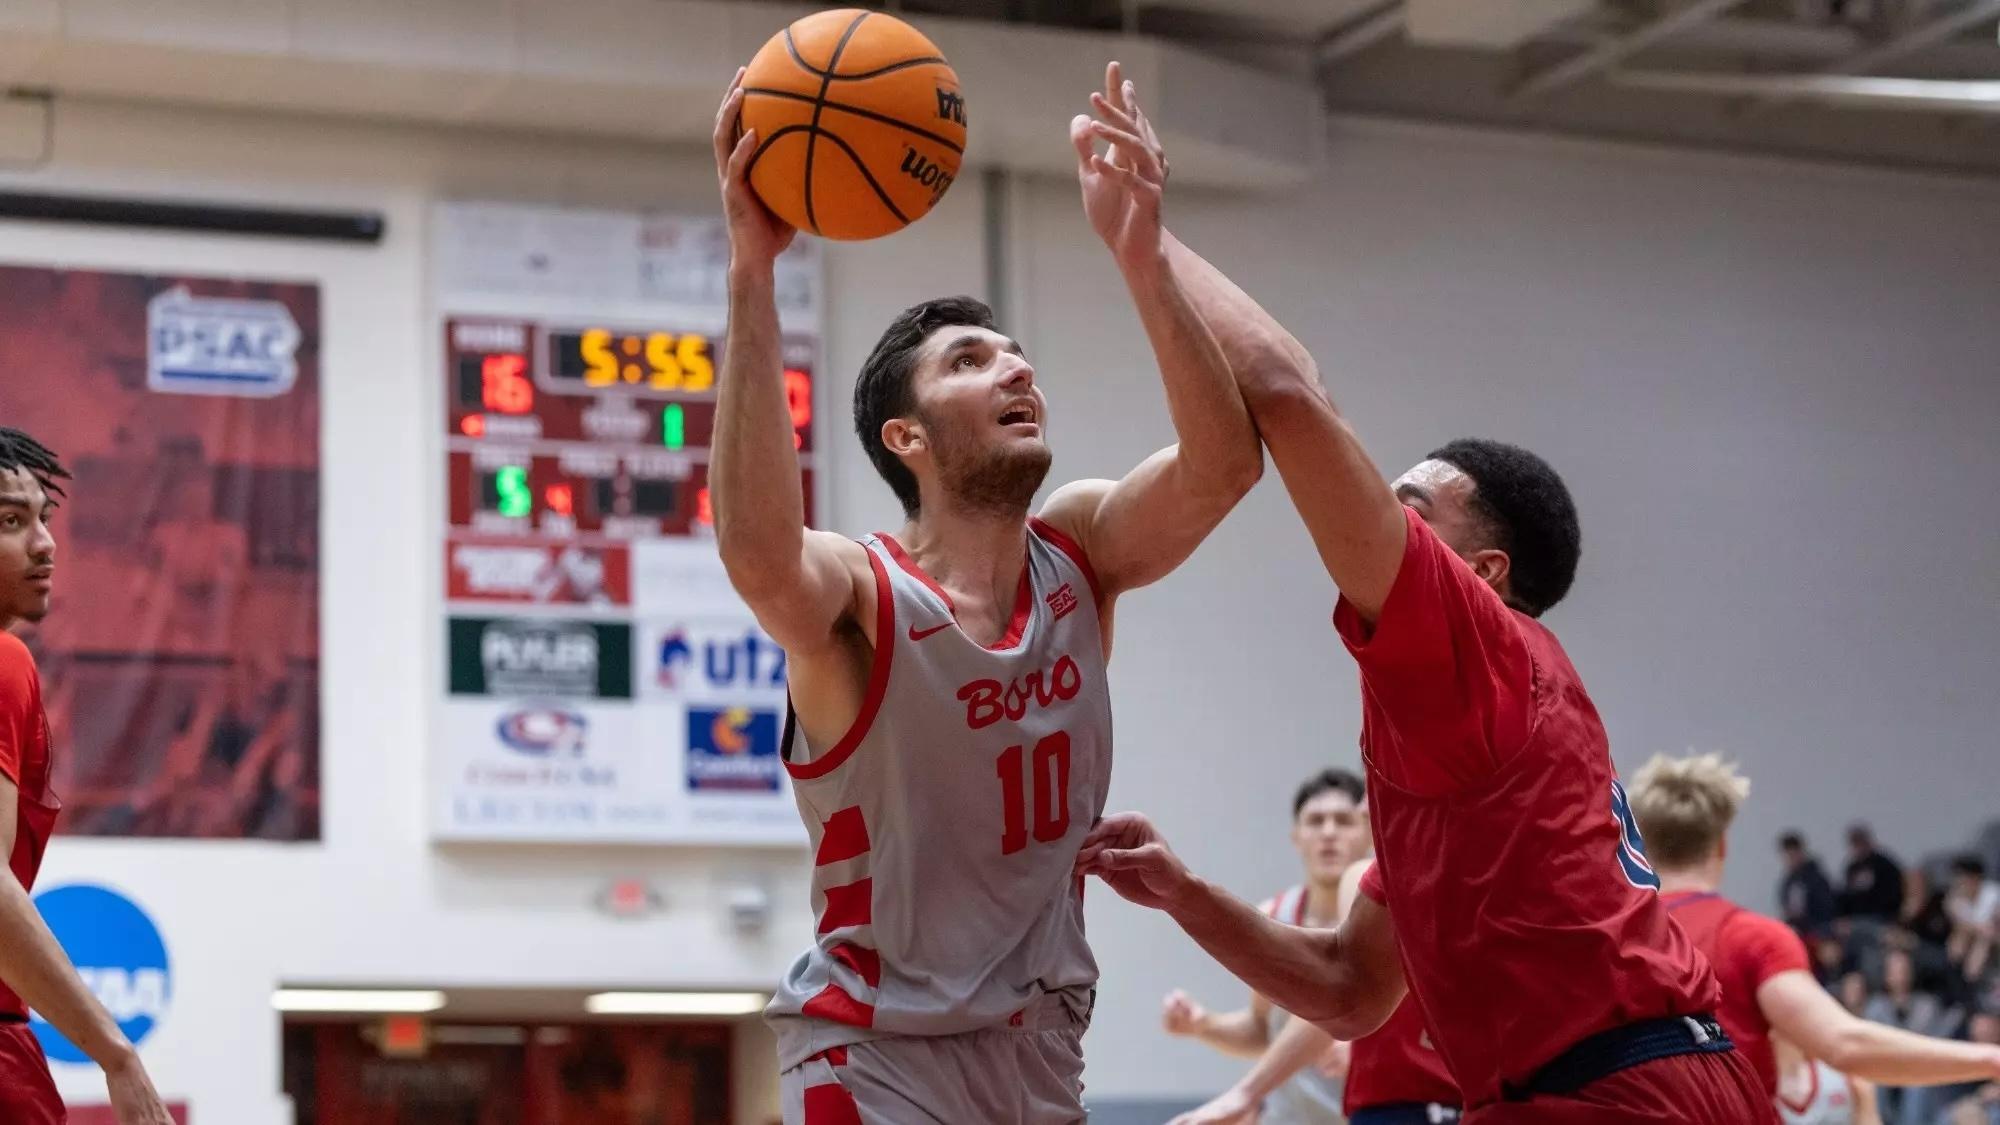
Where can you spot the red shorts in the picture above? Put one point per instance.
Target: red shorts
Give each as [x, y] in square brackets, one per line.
[27, 1092]
[1700, 1089]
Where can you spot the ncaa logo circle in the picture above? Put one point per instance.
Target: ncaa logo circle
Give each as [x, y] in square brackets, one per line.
[117, 951]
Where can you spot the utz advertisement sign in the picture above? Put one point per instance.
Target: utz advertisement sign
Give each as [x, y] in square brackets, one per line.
[538, 574]
[718, 659]
[540, 657]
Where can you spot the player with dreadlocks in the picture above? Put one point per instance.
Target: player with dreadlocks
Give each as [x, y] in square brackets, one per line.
[33, 968]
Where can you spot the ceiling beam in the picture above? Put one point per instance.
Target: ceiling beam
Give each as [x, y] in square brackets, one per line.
[1921, 37]
[1384, 21]
[1578, 67]
[1888, 93]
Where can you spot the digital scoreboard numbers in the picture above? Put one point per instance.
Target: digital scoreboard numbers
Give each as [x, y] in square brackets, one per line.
[603, 683]
[590, 431]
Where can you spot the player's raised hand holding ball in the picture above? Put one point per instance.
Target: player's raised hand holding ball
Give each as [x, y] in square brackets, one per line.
[859, 124]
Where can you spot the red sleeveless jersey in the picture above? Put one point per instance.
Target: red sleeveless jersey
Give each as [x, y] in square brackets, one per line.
[1397, 1064]
[1746, 949]
[24, 758]
[1526, 913]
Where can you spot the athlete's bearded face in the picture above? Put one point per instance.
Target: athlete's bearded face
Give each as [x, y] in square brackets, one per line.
[27, 548]
[978, 431]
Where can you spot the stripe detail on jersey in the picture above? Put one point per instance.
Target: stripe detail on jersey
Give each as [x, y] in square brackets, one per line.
[1073, 549]
[831, 1104]
[843, 836]
[878, 682]
[864, 963]
[836, 1005]
[851, 905]
[1024, 595]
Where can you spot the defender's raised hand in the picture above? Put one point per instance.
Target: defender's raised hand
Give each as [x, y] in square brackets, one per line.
[1121, 191]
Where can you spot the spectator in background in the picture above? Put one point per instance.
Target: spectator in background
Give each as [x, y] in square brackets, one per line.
[1874, 887]
[1853, 993]
[1982, 1106]
[1902, 1004]
[1973, 904]
[1805, 896]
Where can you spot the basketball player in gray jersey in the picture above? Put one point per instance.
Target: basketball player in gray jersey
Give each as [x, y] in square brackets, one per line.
[950, 743]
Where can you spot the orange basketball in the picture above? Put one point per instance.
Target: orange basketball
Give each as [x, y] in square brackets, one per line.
[860, 124]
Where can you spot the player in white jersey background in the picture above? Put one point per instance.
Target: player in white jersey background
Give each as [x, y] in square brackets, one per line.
[951, 740]
[1330, 830]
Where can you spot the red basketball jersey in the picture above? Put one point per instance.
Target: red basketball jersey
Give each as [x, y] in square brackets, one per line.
[1746, 949]
[1397, 1064]
[24, 758]
[1526, 913]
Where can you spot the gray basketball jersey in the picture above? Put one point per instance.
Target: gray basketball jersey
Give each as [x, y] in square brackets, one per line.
[1308, 1097]
[1829, 1100]
[945, 824]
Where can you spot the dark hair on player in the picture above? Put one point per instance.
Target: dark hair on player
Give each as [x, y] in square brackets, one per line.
[1328, 781]
[19, 451]
[886, 388]
[1530, 511]
[1792, 841]
[1969, 864]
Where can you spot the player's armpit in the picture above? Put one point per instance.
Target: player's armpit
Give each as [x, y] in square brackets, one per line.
[804, 603]
[1136, 530]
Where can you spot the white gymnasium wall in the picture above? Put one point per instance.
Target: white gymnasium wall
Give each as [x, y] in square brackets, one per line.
[1771, 387]
[376, 903]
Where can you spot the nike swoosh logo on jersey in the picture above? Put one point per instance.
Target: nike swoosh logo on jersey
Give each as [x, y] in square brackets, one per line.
[917, 634]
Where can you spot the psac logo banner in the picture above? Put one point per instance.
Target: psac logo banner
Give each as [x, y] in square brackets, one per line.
[714, 657]
[733, 748]
[541, 658]
[541, 573]
[220, 346]
[117, 951]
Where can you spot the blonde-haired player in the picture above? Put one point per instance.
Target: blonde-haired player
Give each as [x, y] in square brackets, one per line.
[1684, 807]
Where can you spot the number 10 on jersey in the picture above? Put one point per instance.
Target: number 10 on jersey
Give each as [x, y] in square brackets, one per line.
[1046, 772]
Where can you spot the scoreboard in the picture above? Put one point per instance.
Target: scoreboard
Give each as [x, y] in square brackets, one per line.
[603, 682]
[592, 434]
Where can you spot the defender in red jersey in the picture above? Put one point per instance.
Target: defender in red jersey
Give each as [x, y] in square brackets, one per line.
[33, 968]
[1685, 806]
[1527, 921]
